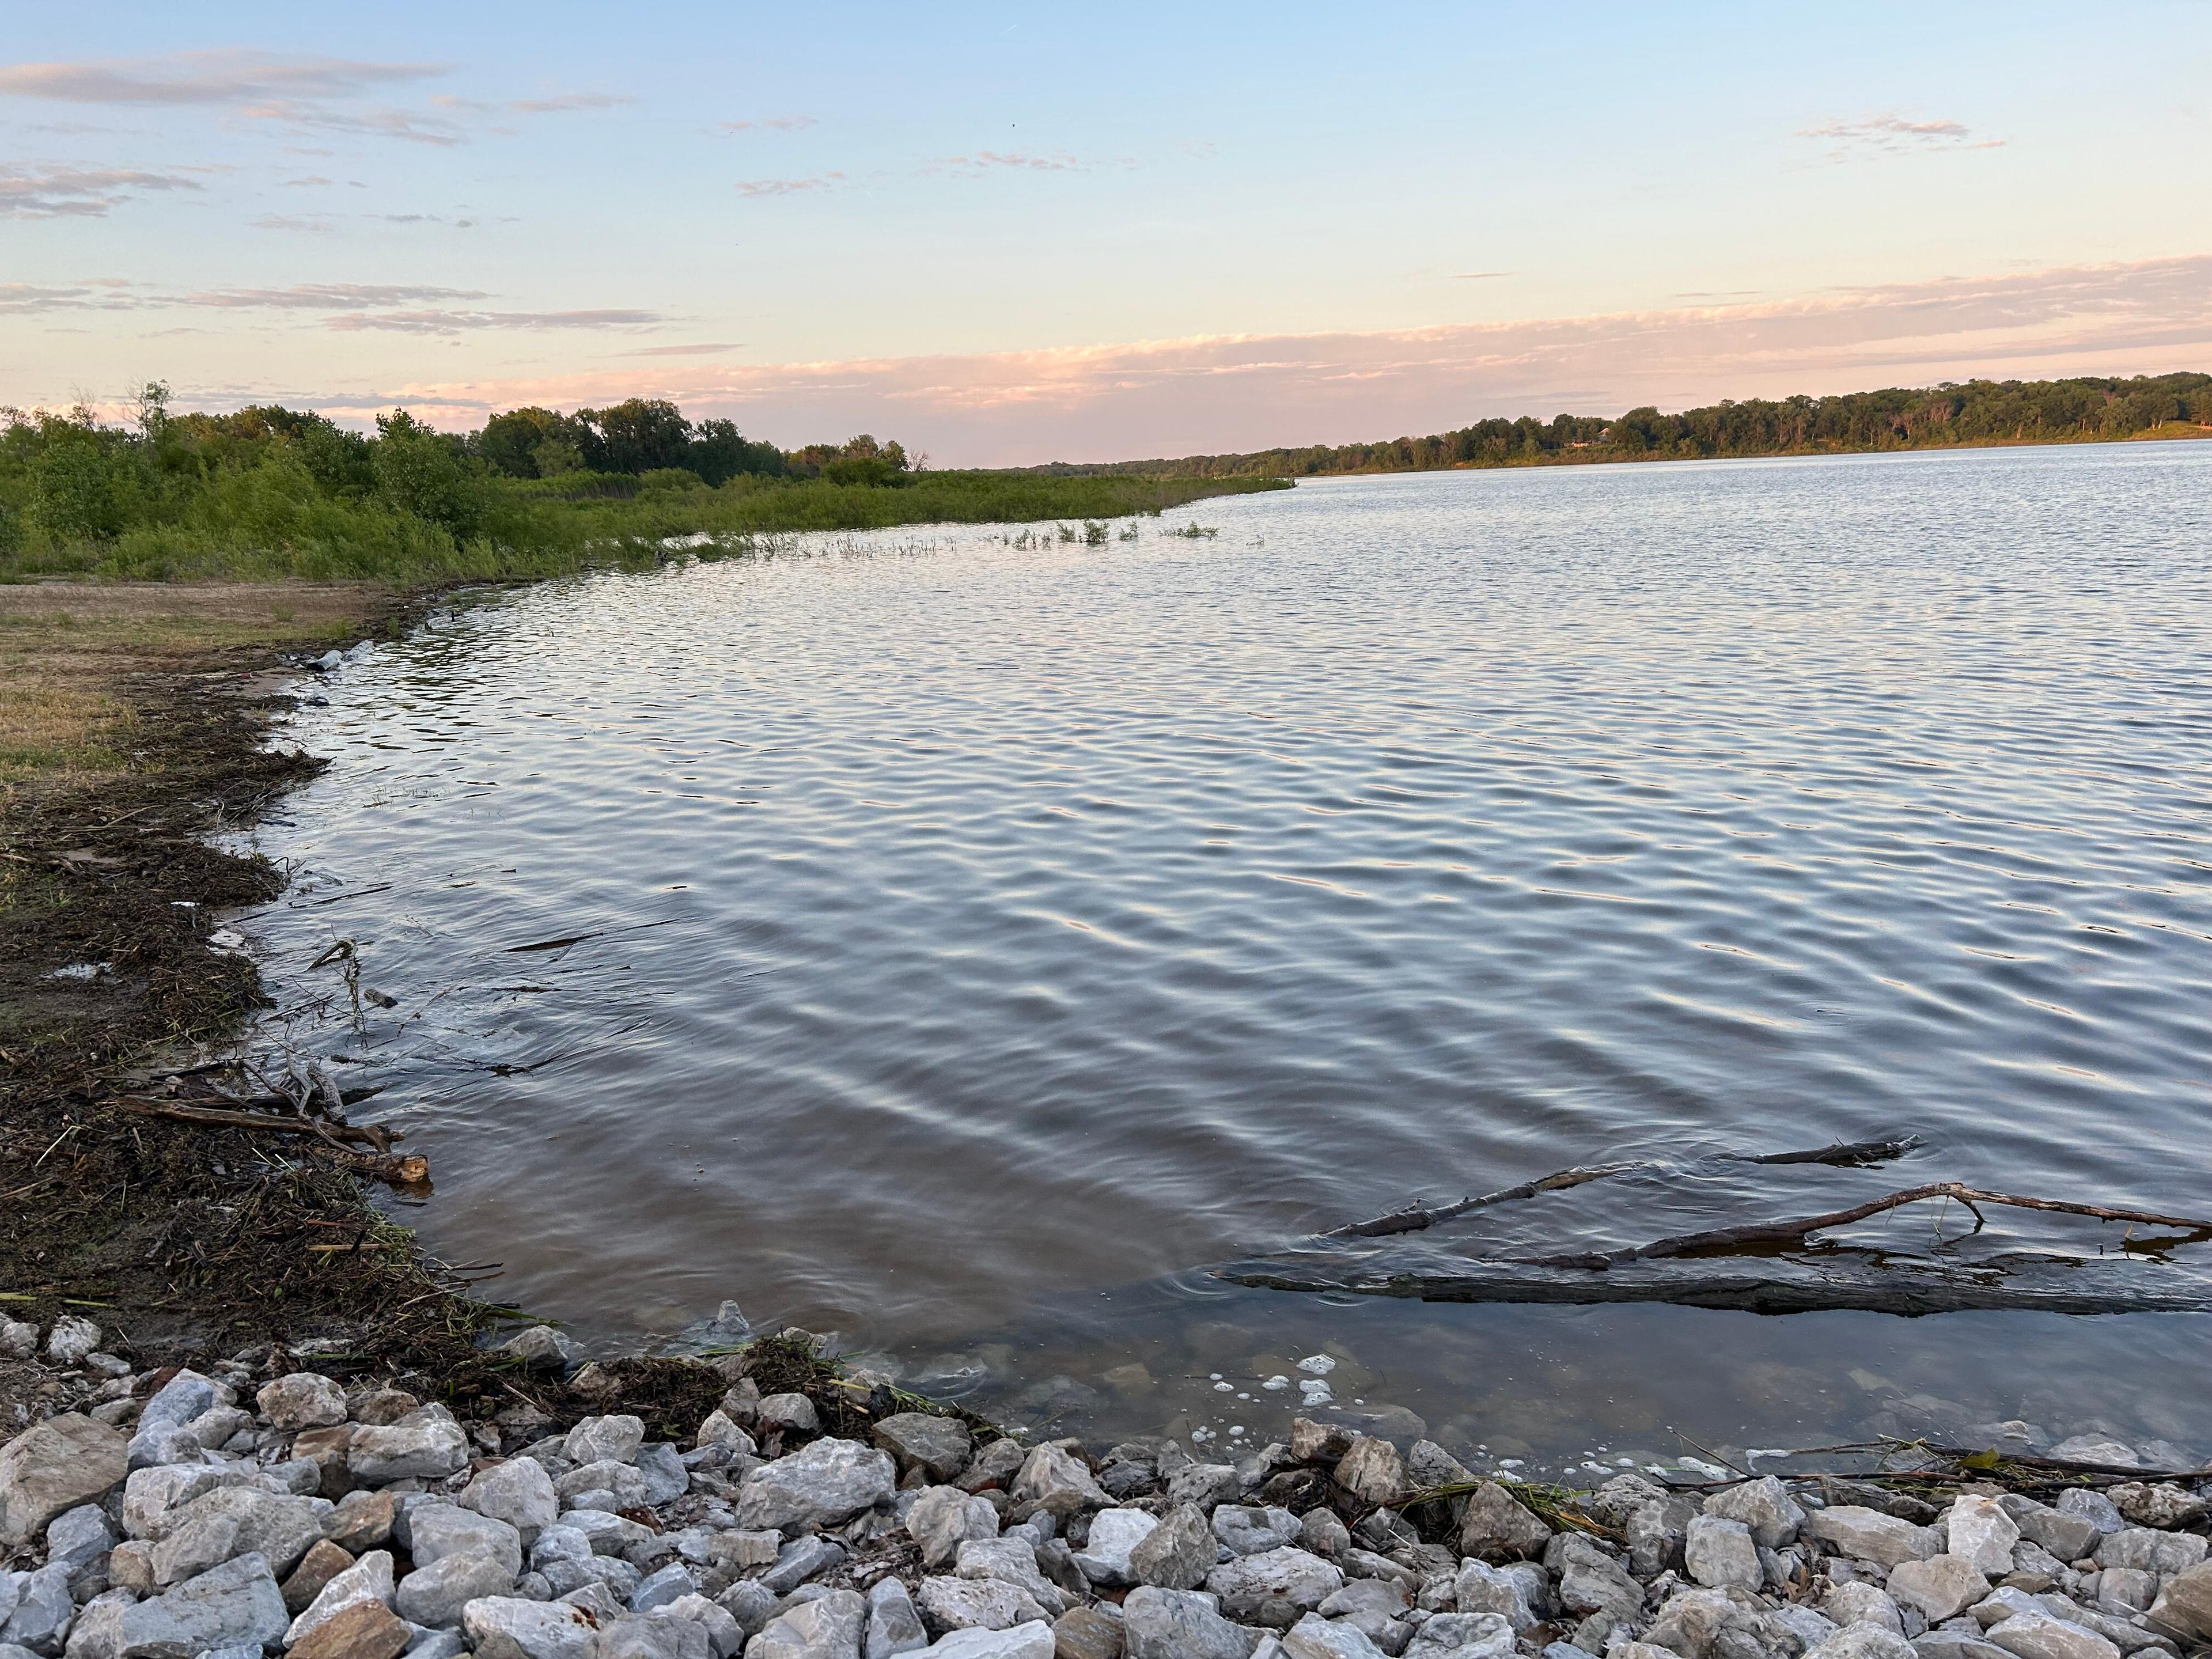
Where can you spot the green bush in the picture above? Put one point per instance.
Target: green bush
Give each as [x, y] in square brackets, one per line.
[865, 471]
[78, 492]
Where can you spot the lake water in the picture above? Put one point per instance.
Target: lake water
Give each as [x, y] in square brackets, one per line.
[978, 937]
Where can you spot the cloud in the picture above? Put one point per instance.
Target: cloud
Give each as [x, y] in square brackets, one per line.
[1209, 394]
[434, 321]
[37, 299]
[998, 161]
[561, 103]
[205, 77]
[297, 116]
[290, 221]
[1477, 275]
[302, 95]
[984, 160]
[343, 307]
[754, 187]
[322, 297]
[53, 193]
[1894, 135]
[313, 179]
[706, 350]
[772, 123]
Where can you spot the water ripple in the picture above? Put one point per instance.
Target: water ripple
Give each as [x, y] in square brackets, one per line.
[1041, 921]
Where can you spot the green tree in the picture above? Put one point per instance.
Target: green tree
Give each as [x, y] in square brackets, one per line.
[641, 435]
[340, 462]
[556, 455]
[509, 443]
[419, 472]
[720, 452]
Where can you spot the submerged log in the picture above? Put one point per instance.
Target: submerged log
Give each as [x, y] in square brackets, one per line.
[2039, 1285]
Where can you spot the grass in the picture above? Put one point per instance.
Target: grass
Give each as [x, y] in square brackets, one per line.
[250, 529]
[69, 652]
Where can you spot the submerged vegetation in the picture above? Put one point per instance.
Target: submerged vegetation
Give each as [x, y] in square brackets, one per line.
[269, 492]
[1974, 413]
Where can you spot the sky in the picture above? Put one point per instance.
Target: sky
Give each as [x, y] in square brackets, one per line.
[1013, 234]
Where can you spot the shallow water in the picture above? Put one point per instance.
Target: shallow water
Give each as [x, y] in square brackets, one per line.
[978, 938]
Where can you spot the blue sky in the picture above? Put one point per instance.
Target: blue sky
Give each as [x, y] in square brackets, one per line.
[1007, 233]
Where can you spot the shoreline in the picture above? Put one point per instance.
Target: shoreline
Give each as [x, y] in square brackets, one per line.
[118, 985]
[757, 1502]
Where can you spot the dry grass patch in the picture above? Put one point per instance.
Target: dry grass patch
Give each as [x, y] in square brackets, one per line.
[69, 652]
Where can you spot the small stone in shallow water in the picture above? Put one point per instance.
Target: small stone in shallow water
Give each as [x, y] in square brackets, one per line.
[2097, 1448]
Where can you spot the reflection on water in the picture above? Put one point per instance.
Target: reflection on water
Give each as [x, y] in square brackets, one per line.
[968, 939]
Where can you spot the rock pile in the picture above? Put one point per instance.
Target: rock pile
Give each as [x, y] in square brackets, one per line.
[233, 1514]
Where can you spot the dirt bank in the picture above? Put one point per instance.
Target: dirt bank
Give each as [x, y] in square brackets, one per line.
[133, 723]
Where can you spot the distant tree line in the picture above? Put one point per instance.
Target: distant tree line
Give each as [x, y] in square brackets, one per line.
[265, 470]
[1972, 413]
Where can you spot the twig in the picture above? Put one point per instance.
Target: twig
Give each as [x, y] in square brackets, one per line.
[1728, 1463]
[1415, 1217]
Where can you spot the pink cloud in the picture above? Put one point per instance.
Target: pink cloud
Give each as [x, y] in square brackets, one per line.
[1223, 393]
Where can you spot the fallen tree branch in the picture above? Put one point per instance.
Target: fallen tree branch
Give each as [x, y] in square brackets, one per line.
[1795, 1230]
[394, 1169]
[1416, 1218]
[2040, 1285]
[376, 1136]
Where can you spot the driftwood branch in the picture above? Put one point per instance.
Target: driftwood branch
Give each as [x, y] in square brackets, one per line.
[2032, 1285]
[1796, 1231]
[1417, 1218]
[281, 1123]
[1677, 1269]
